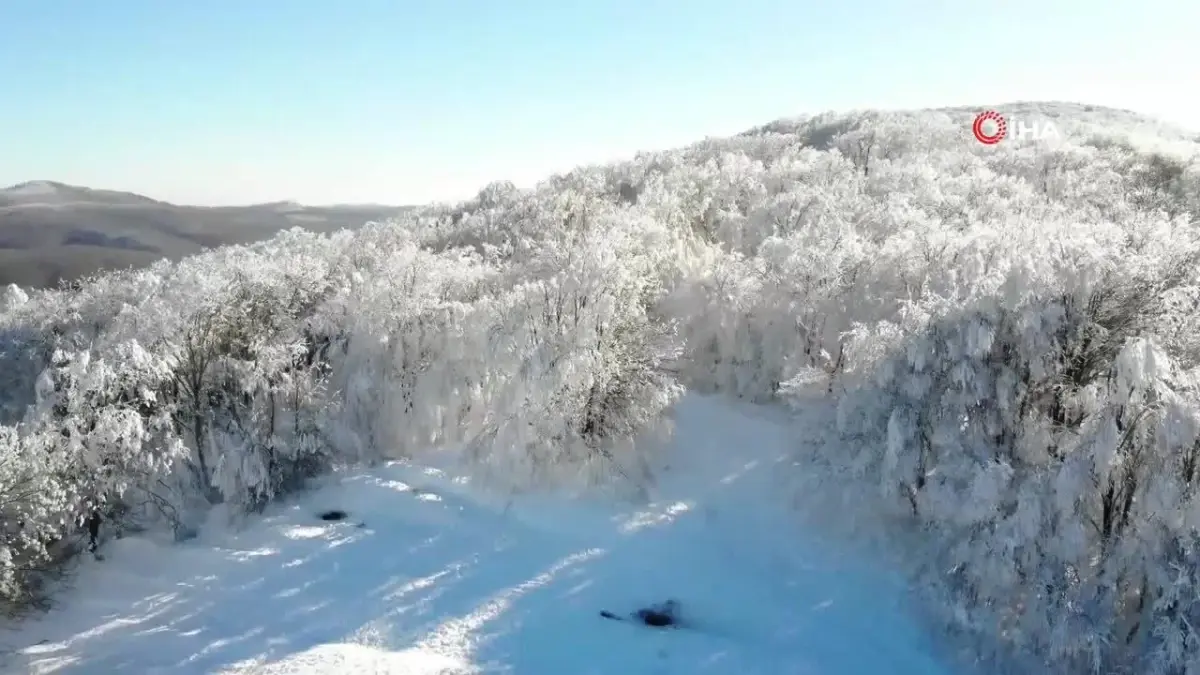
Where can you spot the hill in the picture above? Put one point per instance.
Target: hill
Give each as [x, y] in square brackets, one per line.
[51, 232]
[991, 352]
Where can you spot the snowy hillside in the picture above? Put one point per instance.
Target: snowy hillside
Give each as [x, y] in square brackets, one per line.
[428, 577]
[1002, 342]
[51, 194]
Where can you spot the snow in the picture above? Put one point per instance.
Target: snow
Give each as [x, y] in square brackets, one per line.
[36, 188]
[430, 574]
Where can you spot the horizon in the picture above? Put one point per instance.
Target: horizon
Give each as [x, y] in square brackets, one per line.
[409, 103]
[104, 188]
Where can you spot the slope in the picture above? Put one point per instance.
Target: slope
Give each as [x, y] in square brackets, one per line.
[429, 576]
[52, 232]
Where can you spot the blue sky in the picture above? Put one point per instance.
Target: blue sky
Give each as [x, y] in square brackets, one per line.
[237, 101]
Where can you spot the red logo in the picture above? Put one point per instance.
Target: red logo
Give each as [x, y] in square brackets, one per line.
[998, 127]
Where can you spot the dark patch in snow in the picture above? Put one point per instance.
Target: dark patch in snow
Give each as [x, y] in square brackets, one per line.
[664, 615]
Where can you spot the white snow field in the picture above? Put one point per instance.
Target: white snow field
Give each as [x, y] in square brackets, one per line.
[427, 575]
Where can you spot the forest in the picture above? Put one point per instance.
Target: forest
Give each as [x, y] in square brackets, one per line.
[1006, 337]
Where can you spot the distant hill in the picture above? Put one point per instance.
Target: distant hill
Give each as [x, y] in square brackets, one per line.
[50, 232]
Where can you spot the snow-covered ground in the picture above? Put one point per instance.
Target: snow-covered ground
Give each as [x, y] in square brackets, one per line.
[429, 576]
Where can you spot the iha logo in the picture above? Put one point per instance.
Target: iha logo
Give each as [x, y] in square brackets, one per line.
[990, 127]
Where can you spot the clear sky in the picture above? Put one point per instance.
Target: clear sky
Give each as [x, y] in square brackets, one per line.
[400, 101]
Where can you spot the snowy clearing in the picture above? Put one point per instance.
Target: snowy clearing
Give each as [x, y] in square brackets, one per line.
[426, 577]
